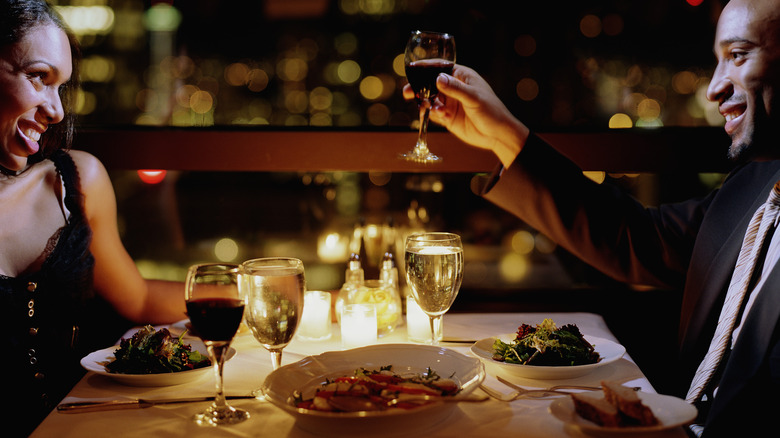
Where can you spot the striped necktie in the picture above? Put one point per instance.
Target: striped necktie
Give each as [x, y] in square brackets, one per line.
[763, 220]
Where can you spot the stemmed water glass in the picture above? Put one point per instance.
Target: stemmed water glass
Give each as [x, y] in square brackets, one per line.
[434, 272]
[427, 55]
[215, 310]
[273, 288]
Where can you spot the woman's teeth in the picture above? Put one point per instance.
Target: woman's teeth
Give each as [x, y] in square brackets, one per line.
[32, 134]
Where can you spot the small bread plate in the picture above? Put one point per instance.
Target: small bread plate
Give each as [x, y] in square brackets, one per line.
[608, 351]
[310, 372]
[670, 411]
[97, 360]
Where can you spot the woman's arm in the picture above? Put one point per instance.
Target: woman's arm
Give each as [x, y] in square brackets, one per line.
[117, 279]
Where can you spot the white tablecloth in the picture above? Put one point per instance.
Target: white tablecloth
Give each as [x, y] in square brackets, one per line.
[248, 369]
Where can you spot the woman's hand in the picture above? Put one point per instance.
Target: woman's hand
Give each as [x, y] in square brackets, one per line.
[468, 107]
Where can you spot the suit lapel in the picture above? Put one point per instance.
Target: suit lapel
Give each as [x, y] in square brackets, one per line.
[701, 308]
[707, 286]
[751, 348]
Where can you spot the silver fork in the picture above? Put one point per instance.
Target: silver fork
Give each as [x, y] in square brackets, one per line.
[550, 389]
[524, 392]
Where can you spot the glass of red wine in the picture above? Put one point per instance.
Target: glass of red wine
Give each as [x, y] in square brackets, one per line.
[427, 55]
[215, 310]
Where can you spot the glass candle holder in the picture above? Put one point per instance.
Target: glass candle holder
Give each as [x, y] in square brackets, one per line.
[316, 320]
[418, 324]
[358, 325]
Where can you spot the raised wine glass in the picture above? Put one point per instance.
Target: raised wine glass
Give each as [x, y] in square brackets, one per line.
[215, 310]
[273, 288]
[434, 271]
[427, 54]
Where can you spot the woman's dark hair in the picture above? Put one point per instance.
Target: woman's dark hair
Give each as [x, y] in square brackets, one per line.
[17, 19]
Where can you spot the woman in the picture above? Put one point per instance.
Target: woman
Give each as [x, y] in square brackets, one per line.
[60, 251]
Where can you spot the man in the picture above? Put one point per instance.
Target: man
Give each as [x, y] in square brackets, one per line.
[691, 245]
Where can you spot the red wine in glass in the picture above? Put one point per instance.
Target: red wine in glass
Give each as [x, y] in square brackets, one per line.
[427, 55]
[215, 309]
[215, 319]
[422, 76]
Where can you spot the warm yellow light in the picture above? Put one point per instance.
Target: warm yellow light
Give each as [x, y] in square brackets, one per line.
[320, 99]
[184, 93]
[398, 65]
[257, 80]
[371, 87]
[201, 102]
[296, 101]
[236, 74]
[292, 69]
[226, 250]
[649, 109]
[685, 82]
[85, 102]
[620, 120]
[595, 175]
[522, 242]
[88, 20]
[348, 71]
[97, 69]
[513, 267]
[332, 247]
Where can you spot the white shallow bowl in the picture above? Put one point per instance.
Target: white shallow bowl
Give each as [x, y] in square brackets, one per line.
[310, 372]
[97, 360]
[608, 350]
[670, 411]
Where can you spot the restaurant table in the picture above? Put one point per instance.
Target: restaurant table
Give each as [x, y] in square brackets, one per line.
[525, 417]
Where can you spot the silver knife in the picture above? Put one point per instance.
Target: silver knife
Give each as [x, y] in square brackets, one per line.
[93, 406]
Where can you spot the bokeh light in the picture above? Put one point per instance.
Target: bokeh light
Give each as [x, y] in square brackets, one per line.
[226, 250]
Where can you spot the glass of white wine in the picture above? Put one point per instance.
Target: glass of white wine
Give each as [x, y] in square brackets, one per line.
[434, 272]
[273, 288]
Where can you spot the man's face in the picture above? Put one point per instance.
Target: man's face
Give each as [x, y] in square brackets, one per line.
[747, 77]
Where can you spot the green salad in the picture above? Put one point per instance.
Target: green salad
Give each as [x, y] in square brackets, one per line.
[546, 344]
[151, 351]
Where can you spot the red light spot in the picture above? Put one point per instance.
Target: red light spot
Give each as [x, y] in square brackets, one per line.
[152, 176]
[694, 2]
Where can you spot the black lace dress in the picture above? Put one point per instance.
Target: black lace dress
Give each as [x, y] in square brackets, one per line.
[42, 317]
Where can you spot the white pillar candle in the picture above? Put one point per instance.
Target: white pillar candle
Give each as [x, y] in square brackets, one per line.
[358, 325]
[315, 321]
[418, 324]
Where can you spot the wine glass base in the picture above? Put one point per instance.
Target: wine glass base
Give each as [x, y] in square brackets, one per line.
[214, 416]
[420, 158]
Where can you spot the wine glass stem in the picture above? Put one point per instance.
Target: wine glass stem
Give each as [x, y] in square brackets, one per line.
[276, 358]
[435, 322]
[217, 355]
[422, 136]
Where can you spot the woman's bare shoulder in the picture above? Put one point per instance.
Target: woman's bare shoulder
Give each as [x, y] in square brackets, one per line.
[91, 170]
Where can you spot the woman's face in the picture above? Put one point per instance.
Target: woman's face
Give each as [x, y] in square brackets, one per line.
[31, 74]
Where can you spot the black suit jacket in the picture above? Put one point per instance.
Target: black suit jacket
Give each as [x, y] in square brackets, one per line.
[691, 246]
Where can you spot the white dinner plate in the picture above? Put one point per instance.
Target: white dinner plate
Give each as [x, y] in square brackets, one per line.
[310, 372]
[670, 411]
[608, 351]
[97, 360]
